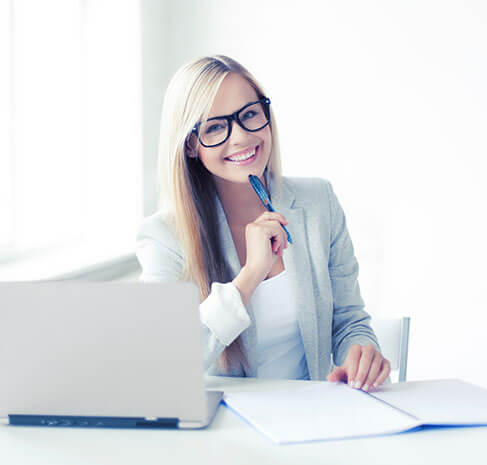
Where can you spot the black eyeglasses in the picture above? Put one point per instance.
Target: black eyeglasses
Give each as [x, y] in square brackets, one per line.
[252, 117]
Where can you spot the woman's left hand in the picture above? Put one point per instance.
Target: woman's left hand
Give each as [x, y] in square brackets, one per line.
[364, 368]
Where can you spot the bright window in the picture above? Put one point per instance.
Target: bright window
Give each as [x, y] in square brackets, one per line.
[70, 125]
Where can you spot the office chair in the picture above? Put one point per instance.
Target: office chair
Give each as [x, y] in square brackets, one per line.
[393, 337]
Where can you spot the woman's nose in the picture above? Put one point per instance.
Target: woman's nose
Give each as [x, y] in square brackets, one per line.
[238, 135]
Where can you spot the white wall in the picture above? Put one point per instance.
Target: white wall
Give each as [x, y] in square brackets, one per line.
[156, 73]
[388, 101]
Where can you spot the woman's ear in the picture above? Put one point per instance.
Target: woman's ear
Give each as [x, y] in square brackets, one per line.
[191, 146]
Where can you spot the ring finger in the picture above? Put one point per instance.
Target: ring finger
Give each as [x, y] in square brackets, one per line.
[374, 371]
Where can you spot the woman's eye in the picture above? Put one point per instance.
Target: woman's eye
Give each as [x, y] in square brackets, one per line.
[214, 127]
[249, 114]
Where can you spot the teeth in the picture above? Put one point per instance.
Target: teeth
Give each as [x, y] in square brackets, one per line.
[242, 157]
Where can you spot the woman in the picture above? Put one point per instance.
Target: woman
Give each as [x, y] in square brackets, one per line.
[268, 308]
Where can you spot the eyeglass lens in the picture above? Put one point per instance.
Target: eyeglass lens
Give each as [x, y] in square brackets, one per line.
[215, 131]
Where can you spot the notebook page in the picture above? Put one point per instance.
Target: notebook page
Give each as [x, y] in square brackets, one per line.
[438, 402]
[317, 412]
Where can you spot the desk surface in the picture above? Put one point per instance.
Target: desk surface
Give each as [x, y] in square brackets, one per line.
[229, 440]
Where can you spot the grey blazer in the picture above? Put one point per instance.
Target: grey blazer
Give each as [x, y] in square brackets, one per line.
[320, 263]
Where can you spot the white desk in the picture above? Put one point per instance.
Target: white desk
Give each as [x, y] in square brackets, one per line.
[229, 440]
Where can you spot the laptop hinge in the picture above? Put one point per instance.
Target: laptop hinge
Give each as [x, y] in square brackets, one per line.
[92, 422]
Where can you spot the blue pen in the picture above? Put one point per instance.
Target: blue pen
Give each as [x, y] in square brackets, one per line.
[264, 197]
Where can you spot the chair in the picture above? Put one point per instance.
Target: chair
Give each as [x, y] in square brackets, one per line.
[393, 337]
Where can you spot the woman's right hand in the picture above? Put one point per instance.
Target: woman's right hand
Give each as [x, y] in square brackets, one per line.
[265, 241]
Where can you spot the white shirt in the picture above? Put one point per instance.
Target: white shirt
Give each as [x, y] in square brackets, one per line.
[280, 350]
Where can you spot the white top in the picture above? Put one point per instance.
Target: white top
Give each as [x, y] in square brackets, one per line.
[280, 350]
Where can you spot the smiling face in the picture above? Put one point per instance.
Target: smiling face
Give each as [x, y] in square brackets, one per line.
[234, 93]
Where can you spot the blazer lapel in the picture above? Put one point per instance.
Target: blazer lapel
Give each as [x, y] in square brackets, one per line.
[296, 262]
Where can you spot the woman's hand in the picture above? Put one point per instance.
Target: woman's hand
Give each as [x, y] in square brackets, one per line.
[265, 242]
[364, 368]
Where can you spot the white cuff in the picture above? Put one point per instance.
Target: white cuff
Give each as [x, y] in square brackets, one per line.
[224, 312]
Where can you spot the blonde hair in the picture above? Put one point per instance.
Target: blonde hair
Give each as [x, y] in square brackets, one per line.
[187, 190]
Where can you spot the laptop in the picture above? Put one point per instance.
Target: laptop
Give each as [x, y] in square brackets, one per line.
[103, 354]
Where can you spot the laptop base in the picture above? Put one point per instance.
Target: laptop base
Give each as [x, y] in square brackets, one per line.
[213, 399]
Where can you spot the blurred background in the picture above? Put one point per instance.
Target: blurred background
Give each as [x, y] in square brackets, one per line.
[386, 99]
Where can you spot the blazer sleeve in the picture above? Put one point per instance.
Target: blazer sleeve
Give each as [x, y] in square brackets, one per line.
[222, 314]
[350, 321]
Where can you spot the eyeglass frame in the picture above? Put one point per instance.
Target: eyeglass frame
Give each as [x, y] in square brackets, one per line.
[234, 117]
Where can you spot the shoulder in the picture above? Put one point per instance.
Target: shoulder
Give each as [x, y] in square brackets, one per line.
[158, 227]
[305, 184]
[308, 191]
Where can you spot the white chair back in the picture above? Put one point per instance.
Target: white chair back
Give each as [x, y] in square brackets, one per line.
[393, 337]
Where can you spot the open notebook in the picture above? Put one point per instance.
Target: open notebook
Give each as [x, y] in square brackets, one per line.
[325, 411]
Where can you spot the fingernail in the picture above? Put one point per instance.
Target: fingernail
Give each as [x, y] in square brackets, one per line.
[350, 382]
[366, 388]
[358, 385]
[375, 385]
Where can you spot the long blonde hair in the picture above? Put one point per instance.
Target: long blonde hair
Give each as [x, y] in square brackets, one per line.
[187, 190]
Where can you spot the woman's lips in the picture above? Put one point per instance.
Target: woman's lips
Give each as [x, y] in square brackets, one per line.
[245, 162]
